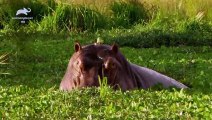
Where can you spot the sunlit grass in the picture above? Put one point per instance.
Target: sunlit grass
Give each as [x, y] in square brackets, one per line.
[3, 59]
[104, 88]
[185, 8]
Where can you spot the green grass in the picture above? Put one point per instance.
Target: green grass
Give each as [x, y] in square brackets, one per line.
[38, 65]
[176, 43]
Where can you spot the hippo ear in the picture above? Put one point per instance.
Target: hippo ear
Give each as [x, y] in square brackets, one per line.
[115, 48]
[77, 47]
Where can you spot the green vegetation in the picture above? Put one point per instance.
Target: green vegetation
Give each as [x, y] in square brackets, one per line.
[173, 37]
[132, 22]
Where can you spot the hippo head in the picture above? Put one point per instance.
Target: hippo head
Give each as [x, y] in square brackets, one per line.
[116, 69]
[111, 66]
[83, 69]
[90, 62]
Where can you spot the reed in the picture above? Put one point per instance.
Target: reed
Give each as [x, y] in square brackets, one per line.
[184, 8]
[3, 59]
[72, 18]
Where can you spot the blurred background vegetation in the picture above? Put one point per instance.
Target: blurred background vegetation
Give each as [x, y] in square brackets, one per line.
[136, 23]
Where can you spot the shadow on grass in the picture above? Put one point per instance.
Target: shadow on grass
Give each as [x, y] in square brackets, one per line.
[157, 38]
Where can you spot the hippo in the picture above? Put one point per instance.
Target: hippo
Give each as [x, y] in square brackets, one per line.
[129, 76]
[91, 62]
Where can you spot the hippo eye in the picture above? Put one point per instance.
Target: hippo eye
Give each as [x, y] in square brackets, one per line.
[95, 58]
[106, 51]
[77, 62]
[102, 54]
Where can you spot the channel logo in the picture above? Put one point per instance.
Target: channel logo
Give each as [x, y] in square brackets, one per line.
[22, 15]
[23, 11]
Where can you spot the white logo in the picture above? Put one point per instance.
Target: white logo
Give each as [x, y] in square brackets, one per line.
[23, 11]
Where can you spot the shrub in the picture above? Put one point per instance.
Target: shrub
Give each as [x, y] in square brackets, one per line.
[165, 32]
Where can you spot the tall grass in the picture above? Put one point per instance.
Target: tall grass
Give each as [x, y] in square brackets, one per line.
[59, 15]
[92, 15]
[72, 17]
[184, 8]
[104, 88]
[128, 13]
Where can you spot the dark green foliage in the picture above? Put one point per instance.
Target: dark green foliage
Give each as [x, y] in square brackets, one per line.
[163, 32]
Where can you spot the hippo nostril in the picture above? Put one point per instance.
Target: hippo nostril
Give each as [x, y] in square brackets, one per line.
[78, 81]
[75, 83]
